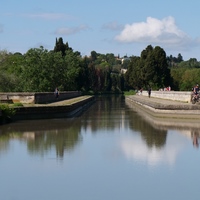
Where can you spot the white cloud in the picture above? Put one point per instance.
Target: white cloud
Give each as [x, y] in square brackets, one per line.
[71, 31]
[137, 150]
[154, 30]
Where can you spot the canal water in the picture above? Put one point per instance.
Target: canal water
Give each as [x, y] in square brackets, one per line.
[111, 151]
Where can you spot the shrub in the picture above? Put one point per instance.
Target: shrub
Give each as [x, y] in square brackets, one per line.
[131, 92]
[6, 113]
[17, 104]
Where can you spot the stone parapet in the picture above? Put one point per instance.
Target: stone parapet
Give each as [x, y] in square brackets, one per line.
[37, 97]
[49, 111]
[164, 114]
[171, 95]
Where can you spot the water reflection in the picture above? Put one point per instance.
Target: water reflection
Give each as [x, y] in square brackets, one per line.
[114, 150]
[41, 136]
[195, 136]
[110, 114]
[161, 125]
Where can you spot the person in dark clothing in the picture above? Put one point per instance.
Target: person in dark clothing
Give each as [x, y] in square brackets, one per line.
[149, 92]
[56, 93]
[196, 89]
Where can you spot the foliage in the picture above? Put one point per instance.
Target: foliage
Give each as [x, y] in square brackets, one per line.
[40, 70]
[17, 104]
[191, 63]
[184, 78]
[7, 112]
[130, 92]
[151, 69]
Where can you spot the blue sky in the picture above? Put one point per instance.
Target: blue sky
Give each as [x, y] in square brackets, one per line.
[121, 27]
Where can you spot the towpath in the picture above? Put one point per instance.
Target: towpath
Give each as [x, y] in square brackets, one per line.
[164, 104]
[159, 107]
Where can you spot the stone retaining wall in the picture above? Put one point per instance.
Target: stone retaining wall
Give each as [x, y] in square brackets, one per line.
[171, 95]
[38, 97]
[49, 97]
[51, 111]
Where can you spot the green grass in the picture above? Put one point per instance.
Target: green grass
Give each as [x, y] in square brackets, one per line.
[17, 104]
[131, 92]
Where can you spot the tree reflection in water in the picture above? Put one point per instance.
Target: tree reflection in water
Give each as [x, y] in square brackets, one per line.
[109, 113]
[154, 129]
[44, 135]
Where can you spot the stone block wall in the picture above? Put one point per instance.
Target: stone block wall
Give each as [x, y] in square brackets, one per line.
[48, 97]
[38, 97]
[171, 95]
[22, 97]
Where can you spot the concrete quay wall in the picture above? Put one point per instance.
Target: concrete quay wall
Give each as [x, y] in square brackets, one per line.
[37, 97]
[52, 111]
[171, 95]
[48, 97]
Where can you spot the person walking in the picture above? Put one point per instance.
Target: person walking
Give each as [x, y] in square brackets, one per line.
[149, 92]
[56, 93]
[196, 89]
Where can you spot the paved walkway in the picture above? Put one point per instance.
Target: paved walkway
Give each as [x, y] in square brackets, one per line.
[164, 104]
[163, 113]
[60, 103]
[166, 108]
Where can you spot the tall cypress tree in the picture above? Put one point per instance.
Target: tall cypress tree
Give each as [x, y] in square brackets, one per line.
[60, 46]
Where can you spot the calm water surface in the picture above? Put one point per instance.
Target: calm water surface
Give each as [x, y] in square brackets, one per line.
[109, 152]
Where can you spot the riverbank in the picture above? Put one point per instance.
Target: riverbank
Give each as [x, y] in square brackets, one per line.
[59, 109]
[164, 108]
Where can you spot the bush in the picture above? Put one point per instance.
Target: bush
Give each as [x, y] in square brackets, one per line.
[17, 104]
[6, 113]
[131, 92]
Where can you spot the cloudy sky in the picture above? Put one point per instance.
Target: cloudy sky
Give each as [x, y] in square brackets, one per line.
[121, 27]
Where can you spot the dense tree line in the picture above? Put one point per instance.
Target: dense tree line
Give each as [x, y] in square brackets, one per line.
[40, 70]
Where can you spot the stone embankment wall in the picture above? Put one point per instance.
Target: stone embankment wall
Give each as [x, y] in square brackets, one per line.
[49, 97]
[171, 95]
[38, 97]
[52, 111]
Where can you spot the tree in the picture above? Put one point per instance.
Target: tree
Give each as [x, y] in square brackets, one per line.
[93, 55]
[179, 58]
[151, 69]
[10, 71]
[161, 71]
[61, 47]
[133, 74]
[43, 70]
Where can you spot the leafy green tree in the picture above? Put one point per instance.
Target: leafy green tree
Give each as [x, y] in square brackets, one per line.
[107, 79]
[92, 77]
[72, 71]
[191, 63]
[10, 70]
[133, 74]
[83, 80]
[42, 70]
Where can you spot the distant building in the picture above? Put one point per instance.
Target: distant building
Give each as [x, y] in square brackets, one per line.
[123, 71]
[124, 59]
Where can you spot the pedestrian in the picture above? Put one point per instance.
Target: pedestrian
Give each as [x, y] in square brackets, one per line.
[56, 93]
[196, 89]
[149, 92]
